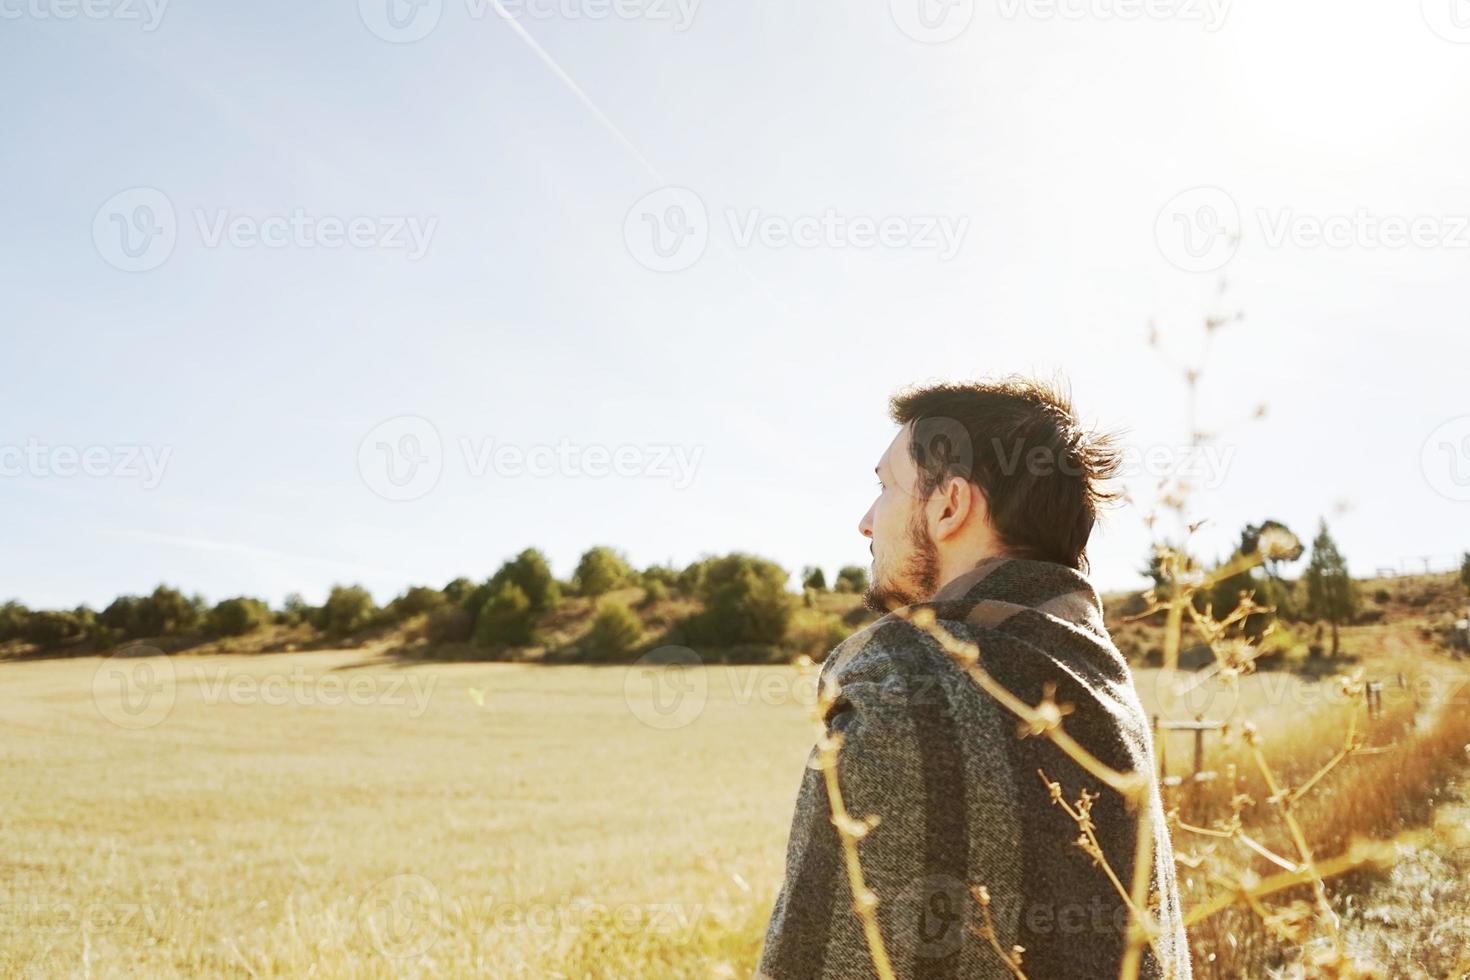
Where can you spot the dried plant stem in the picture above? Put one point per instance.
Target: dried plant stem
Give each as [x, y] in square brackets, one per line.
[1285, 806]
[1140, 923]
[1011, 958]
[849, 832]
[1361, 854]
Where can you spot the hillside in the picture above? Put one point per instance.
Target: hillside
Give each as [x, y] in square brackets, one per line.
[1408, 616]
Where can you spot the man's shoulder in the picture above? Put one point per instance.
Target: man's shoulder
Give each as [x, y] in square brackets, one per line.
[894, 646]
[1027, 654]
[874, 646]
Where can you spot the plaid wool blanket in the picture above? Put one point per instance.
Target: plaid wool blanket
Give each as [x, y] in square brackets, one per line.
[961, 802]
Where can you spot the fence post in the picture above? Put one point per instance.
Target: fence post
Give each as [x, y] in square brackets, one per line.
[1374, 690]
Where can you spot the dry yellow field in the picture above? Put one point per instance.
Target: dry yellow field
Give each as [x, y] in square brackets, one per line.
[297, 814]
[327, 814]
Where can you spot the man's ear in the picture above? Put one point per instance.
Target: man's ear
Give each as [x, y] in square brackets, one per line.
[955, 504]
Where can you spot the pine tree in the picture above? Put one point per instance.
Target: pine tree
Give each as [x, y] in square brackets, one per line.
[1331, 592]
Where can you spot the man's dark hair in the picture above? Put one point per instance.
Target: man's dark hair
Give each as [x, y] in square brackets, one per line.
[1019, 442]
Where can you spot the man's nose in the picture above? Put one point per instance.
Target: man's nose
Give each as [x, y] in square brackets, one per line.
[865, 526]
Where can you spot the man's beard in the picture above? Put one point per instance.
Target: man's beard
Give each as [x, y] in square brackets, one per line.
[916, 581]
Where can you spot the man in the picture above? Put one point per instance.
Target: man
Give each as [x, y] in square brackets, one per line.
[987, 497]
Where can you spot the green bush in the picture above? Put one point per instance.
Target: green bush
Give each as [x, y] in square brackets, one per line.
[745, 602]
[51, 628]
[348, 609]
[506, 619]
[692, 577]
[530, 572]
[123, 616]
[296, 610]
[615, 632]
[815, 634]
[600, 570]
[418, 600]
[167, 612]
[813, 578]
[654, 592]
[13, 619]
[458, 590]
[662, 574]
[851, 578]
[452, 624]
[236, 617]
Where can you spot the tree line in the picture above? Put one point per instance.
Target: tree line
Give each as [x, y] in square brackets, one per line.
[1324, 592]
[734, 600]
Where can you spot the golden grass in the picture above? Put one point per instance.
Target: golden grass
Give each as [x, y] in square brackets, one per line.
[1410, 752]
[549, 832]
[497, 819]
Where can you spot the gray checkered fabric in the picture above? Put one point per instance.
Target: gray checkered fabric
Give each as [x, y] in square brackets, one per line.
[960, 801]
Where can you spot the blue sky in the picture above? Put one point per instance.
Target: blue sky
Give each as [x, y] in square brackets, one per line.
[358, 244]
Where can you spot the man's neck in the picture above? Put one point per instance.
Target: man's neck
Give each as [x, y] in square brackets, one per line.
[953, 567]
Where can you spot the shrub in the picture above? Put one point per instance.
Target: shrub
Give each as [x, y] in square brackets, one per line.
[296, 610]
[851, 578]
[815, 634]
[236, 617]
[654, 592]
[51, 628]
[530, 572]
[692, 577]
[123, 616]
[348, 608]
[505, 619]
[451, 624]
[600, 570]
[418, 600]
[745, 601]
[166, 612]
[813, 578]
[13, 619]
[662, 574]
[458, 590]
[615, 632]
